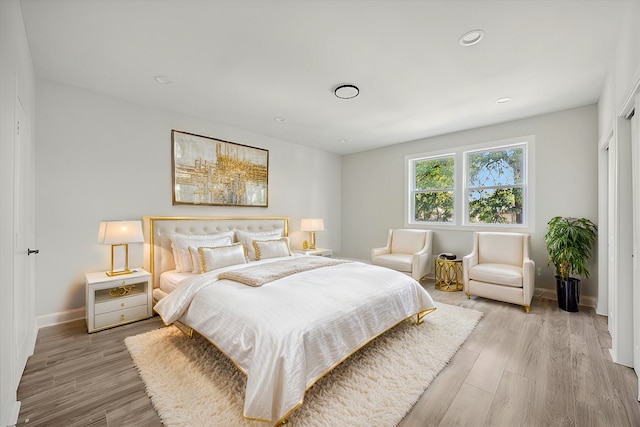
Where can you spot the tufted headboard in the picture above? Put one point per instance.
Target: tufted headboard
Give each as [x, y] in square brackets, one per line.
[158, 256]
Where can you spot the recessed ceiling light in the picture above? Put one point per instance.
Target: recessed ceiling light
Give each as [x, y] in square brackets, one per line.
[343, 141]
[163, 80]
[503, 100]
[279, 119]
[471, 37]
[346, 91]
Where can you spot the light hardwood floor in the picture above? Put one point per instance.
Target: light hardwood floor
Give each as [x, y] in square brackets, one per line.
[545, 368]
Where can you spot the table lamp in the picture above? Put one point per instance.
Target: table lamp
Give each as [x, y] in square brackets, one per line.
[120, 234]
[312, 225]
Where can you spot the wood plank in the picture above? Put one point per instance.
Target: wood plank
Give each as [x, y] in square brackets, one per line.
[435, 401]
[510, 405]
[469, 408]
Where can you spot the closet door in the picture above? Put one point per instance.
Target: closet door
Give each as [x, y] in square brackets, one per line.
[635, 150]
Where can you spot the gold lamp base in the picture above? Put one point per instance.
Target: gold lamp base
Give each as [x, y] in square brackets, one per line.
[312, 240]
[118, 273]
[126, 257]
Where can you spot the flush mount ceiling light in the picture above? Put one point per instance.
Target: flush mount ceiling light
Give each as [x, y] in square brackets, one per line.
[346, 91]
[471, 37]
[163, 80]
[279, 119]
[503, 100]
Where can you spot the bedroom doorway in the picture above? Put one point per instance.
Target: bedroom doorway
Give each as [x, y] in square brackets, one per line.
[23, 231]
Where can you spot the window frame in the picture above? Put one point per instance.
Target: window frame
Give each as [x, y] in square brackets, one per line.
[467, 188]
[413, 191]
[461, 211]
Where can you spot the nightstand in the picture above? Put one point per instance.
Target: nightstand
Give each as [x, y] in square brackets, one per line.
[116, 300]
[315, 252]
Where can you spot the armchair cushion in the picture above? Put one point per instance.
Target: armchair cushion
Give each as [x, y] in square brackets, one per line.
[407, 241]
[500, 274]
[399, 262]
[500, 248]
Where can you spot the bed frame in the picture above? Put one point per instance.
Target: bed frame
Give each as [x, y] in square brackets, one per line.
[158, 256]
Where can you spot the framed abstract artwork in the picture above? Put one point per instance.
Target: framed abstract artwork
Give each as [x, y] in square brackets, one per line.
[212, 172]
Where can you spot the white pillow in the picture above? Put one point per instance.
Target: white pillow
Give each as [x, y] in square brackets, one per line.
[247, 237]
[222, 256]
[271, 248]
[196, 259]
[180, 244]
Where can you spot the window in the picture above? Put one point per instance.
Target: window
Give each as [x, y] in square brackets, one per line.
[490, 189]
[434, 189]
[494, 190]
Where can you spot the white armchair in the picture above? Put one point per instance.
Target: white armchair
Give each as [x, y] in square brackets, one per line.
[499, 268]
[407, 250]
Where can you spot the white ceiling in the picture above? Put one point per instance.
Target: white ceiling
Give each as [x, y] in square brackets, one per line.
[243, 63]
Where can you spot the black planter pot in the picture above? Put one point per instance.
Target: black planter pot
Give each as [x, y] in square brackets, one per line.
[568, 293]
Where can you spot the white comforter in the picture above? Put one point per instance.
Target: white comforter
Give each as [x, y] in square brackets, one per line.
[287, 334]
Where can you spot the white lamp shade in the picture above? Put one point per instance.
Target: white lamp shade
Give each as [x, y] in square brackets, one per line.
[312, 224]
[116, 232]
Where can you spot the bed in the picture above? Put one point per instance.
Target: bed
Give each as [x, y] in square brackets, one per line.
[284, 320]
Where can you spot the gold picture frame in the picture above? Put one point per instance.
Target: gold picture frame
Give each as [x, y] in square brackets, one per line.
[213, 172]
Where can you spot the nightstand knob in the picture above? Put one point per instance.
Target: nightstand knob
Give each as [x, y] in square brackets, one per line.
[122, 316]
[123, 283]
[122, 305]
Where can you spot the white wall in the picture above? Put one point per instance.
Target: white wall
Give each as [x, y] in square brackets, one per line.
[373, 187]
[15, 64]
[99, 158]
[624, 71]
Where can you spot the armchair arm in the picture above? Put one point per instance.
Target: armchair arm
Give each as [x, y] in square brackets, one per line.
[468, 262]
[380, 251]
[421, 260]
[383, 250]
[528, 279]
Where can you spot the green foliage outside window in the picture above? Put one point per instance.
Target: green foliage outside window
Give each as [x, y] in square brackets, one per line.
[434, 185]
[495, 186]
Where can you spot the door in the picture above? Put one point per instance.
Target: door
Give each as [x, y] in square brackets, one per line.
[23, 226]
[635, 150]
[611, 226]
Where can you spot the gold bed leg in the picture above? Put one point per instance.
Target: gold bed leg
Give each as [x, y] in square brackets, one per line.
[420, 316]
[188, 331]
[527, 308]
[468, 295]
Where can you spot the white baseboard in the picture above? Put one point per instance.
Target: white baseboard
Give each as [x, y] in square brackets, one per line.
[11, 418]
[61, 317]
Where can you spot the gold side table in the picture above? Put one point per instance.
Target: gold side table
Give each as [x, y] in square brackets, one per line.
[448, 274]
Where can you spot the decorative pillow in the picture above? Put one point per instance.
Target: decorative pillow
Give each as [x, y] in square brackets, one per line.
[196, 259]
[247, 237]
[271, 248]
[222, 256]
[180, 244]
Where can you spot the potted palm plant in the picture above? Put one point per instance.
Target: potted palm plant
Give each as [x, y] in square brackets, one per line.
[569, 242]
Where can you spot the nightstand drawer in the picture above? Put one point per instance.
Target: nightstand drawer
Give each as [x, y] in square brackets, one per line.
[121, 316]
[121, 303]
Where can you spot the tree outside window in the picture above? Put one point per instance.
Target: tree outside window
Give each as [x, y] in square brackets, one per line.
[495, 186]
[434, 189]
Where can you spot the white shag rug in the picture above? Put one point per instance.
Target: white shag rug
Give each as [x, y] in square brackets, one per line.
[193, 384]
